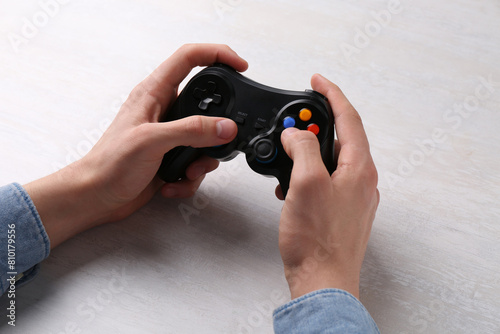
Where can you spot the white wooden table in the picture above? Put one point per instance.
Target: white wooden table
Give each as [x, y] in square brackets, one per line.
[425, 77]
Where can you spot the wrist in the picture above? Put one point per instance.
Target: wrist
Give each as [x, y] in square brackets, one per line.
[302, 283]
[66, 202]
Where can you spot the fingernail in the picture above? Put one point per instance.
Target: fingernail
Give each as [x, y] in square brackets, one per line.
[225, 128]
[170, 192]
[287, 132]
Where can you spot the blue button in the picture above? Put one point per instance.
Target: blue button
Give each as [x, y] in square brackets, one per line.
[289, 122]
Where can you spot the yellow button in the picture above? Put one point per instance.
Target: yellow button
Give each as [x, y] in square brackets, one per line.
[305, 114]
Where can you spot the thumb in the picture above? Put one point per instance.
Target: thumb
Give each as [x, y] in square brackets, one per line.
[194, 131]
[303, 148]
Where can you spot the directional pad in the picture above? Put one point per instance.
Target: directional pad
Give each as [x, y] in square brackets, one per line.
[207, 96]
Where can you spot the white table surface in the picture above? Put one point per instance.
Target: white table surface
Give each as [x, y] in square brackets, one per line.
[433, 261]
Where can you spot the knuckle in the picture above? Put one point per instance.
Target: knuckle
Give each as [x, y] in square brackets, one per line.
[195, 126]
[311, 183]
[304, 138]
[311, 179]
[360, 175]
[372, 175]
[138, 92]
[144, 96]
[333, 89]
[185, 51]
[188, 51]
[368, 177]
[369, 173]
[185, 48]
[190, 191]
[355, 115]
[141, 135]
[334, 86]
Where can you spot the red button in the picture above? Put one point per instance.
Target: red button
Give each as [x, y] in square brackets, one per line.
[313, 128]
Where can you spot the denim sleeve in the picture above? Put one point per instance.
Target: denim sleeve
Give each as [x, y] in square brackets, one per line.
[23, 240]
[324, 311]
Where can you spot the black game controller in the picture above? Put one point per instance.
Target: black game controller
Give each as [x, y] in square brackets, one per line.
[261, 114]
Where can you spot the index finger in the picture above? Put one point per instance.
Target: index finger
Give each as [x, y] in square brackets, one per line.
[162, 83]
[351, 134]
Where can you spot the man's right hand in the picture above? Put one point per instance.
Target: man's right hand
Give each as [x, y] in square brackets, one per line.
[326, 220]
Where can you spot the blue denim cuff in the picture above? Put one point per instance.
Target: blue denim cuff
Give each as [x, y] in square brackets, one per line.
[23, 240]
[324, 311]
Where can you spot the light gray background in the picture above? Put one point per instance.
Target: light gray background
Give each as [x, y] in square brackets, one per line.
[417, 77]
